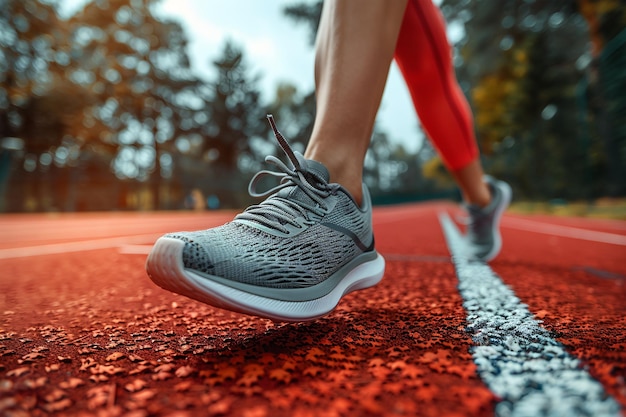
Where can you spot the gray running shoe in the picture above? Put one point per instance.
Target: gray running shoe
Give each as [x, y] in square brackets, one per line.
[290, 258]
[483, 227]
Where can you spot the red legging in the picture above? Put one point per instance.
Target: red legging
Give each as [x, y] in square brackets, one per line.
[425, 60]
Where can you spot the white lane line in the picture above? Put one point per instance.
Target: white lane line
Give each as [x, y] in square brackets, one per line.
[563, 231]
[85, 245]
[519, 360]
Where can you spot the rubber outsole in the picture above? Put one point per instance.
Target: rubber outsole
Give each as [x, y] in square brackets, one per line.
[165, 267]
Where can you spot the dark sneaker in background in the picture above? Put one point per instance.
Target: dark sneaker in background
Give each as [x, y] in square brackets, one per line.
[483, 225]
[290, 258]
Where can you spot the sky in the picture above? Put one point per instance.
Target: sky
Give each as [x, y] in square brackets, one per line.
[276, 48]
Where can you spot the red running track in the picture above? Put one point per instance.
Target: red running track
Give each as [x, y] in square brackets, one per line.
[83, 330]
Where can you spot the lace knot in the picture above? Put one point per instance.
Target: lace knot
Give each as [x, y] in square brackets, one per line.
[301, 191]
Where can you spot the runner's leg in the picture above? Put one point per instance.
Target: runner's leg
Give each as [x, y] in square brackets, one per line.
[355, 46]
[424, 58]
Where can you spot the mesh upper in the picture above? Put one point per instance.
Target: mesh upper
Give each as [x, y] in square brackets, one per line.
[242, 253]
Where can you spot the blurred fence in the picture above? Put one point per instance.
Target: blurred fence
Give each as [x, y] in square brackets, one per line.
[613, 84]
[602, 103]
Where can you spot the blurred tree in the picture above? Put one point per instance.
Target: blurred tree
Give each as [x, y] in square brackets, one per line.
[111, 91]
[237, 121]
[37, 103]
[29, 31]
[236, 113]
[137, 67]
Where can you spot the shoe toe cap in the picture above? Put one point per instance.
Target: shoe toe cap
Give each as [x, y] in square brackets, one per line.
[194, 254]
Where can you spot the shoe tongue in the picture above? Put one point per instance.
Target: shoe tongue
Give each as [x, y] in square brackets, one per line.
[307, 165]
[472, 208]
[475, 211]
[317, 168]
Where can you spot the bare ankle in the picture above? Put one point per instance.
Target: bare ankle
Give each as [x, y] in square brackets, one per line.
[357, 194]
[352, 183]
[344, 172]
[481, 198]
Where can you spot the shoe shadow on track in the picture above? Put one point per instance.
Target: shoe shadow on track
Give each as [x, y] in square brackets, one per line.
[353, 341]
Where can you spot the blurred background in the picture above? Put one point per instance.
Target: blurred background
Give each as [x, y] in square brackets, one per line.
[160, 105]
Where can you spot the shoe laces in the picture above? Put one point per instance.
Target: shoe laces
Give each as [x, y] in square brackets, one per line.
[284, 208]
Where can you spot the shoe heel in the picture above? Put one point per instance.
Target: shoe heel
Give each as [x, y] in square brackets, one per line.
[372, 271]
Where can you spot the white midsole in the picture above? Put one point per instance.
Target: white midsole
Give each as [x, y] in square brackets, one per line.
[166, 269]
